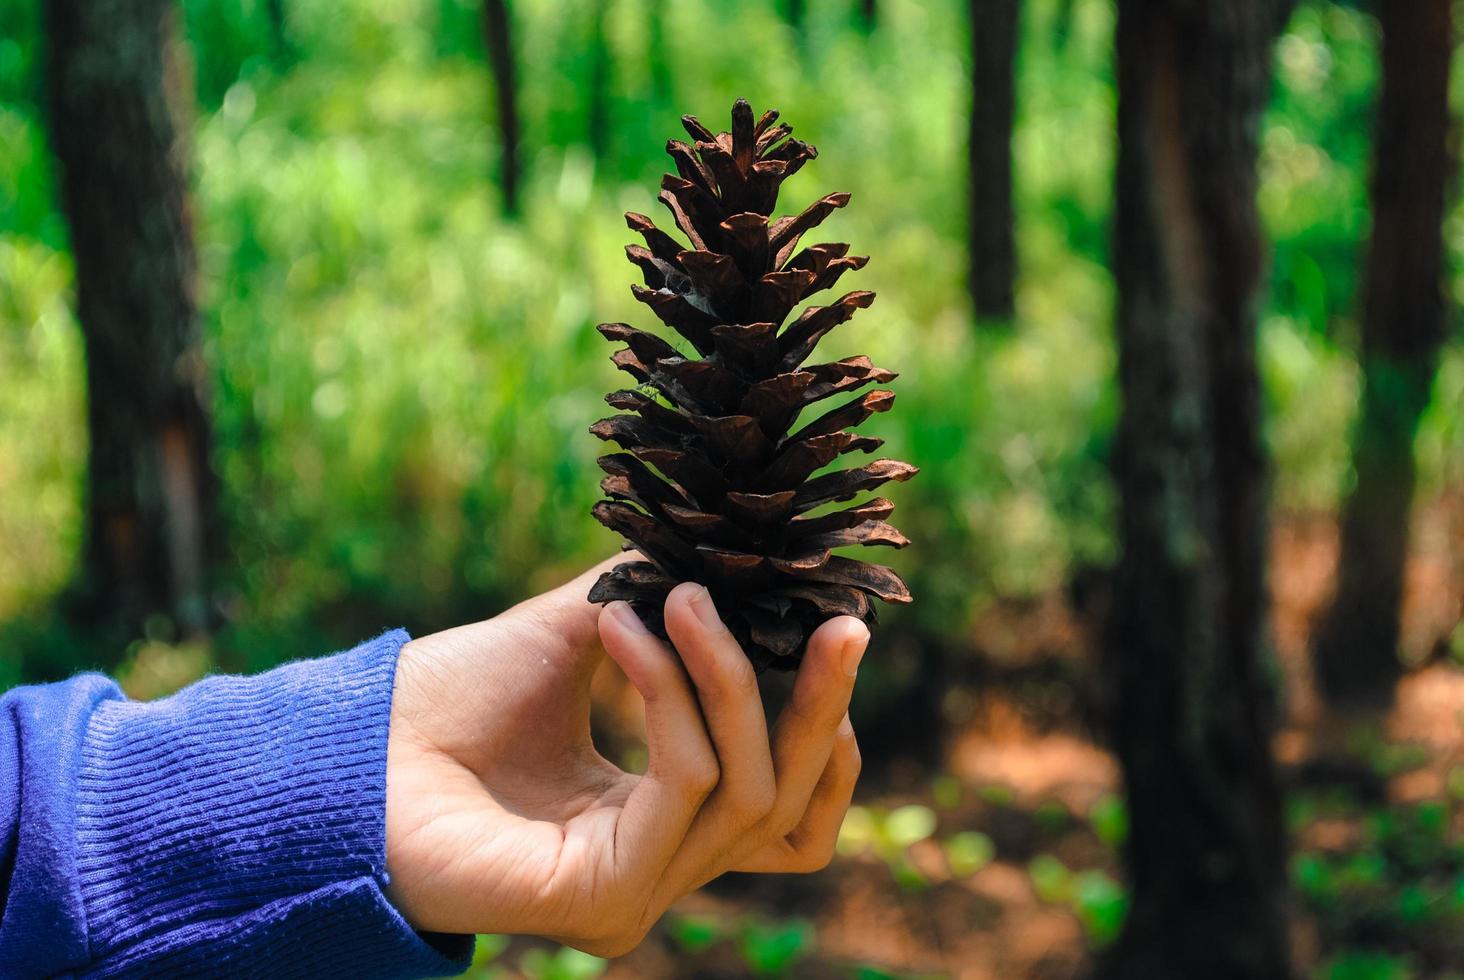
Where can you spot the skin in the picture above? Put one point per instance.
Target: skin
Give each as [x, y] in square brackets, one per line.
[501, 817]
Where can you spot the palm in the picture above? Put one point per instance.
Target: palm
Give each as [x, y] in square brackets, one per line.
[519, 795]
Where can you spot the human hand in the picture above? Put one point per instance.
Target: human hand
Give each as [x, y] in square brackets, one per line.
[502, 817]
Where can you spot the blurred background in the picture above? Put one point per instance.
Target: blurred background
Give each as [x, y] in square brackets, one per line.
[296, 343]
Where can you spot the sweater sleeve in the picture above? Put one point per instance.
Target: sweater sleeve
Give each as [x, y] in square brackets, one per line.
[236, 828]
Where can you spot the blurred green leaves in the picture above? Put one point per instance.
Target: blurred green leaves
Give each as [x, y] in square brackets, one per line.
[1099, 902]
[968, 852]
[771, 949]
[561, 964]
[402, 382]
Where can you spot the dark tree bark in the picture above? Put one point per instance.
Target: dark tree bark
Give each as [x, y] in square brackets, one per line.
[795, 12]
[656, 53]
[1062, 25]
[498, 38]
[1403, 326]
[150, 526]
[279, 31]
[1206, 852]
[992, 249]
[598, 122]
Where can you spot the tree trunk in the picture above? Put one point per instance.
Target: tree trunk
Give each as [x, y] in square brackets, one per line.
[992, 253]
[150, 526]
[279, 31]
[598, 122]
[1206, 850]
[660, 64]
[795, 12]
[498, 38]
[868, 14]
[1062, 25]
[1403, 326]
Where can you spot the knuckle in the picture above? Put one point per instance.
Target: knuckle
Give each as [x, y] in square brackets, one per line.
[818, 712]
[815, 858]
[703, 775]
[663, 684]
[782, 821]
[630, 931]
[615, 925]
[612, 946]
[754, 802]
[737, 678]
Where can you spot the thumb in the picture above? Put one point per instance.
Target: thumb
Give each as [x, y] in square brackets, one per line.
[565, 613]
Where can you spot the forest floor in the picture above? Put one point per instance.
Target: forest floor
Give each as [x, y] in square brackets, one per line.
[999, 861]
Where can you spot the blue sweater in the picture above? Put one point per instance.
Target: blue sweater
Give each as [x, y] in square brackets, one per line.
[235, 829]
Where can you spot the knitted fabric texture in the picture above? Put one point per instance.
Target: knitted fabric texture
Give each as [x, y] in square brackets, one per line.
[236, 828]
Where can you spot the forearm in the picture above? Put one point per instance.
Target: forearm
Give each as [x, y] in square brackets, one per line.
[237, 827]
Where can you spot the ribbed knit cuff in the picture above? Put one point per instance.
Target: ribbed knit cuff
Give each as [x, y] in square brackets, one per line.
[238, 828]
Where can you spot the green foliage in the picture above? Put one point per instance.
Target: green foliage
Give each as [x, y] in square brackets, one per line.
[487, 958]
[968, 852]
[770, 949]
[1101, 904]
[889, 835]
[402, 381]
[693, 934]
[563, 963]
[908, 825]
[371, 476]
[486, 949]
[946, 790]
[1109, 817]
[1367, 965]
[1051, 879]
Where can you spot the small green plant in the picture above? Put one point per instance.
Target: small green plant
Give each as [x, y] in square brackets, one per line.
[995, 794]
[1417, 904]
[1101, 904]
[968, 852]
[562, 964]
[486, 949]
[1455, 780]
[1109, 818]
[1367, 965]
[1314, 878]
[856, 833]
[771, 948]
[890, 835]
[1456, 644]
[908, 825]
[1051, 879]
[945, 789]
[873, 973]
[693, 934]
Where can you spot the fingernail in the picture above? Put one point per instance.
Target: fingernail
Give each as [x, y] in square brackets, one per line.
[706, 610]
[625, 616]
[846, 727]
[854, 652]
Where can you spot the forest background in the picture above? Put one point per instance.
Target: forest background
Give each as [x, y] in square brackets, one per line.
[406, 216]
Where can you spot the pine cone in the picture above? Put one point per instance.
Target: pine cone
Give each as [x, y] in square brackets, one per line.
[713, 487]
